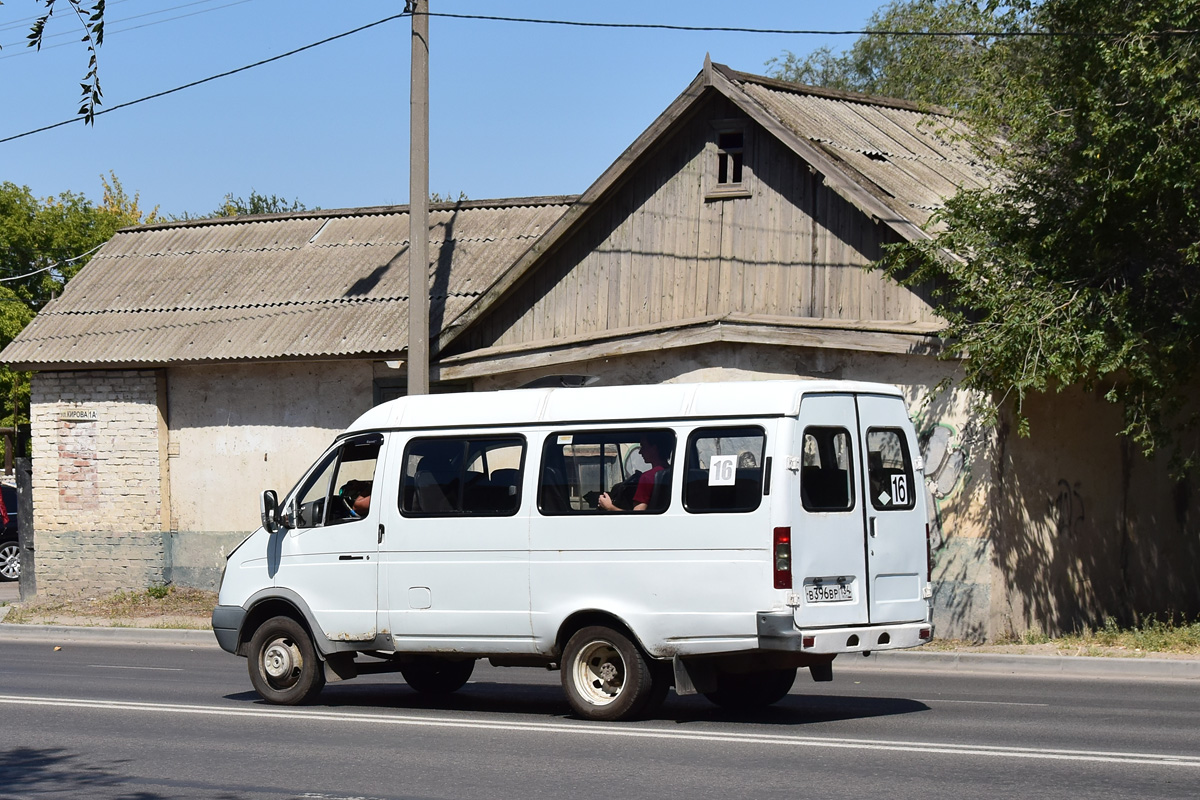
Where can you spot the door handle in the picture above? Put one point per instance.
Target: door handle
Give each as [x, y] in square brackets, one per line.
[872, 527]
[352, 558]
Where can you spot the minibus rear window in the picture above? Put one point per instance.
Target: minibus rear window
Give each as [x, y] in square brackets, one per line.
[889, 470]
[826, 474]
[462, 476]
[724, 470]
[580, 467]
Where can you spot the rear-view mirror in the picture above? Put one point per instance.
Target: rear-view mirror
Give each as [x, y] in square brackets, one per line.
[268, 508]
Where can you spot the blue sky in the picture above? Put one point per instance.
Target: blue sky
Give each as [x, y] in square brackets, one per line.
[516, 109]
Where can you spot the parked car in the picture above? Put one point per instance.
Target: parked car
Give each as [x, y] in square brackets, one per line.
[10, 550]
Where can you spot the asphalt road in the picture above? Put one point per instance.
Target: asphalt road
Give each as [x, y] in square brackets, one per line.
[124, 721]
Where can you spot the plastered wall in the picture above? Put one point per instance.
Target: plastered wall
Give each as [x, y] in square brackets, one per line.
[237, 430]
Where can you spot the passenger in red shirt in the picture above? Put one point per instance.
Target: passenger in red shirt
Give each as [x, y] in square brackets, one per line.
[652, 453]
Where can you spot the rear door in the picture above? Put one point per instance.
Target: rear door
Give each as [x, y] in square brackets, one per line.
[859, 548]
[829, 560]
[895, 510]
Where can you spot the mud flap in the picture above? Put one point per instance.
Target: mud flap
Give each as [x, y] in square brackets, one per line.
[340, 667]
[693, 677]
[821, 672]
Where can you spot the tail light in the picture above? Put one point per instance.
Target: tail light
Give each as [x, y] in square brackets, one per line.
[782, 558]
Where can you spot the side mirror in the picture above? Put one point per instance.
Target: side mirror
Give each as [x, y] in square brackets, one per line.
[268, 509]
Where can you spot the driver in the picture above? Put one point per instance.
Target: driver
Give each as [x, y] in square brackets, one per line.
[357, 495]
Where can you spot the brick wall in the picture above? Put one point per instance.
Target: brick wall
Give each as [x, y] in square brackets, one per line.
[96, 481]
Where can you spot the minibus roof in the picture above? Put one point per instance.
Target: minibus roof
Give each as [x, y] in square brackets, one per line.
[604, 404]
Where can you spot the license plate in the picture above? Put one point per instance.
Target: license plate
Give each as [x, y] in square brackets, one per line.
[828, 592]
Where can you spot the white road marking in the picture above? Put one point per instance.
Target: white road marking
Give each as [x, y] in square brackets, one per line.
[986, 703]
[630, 732]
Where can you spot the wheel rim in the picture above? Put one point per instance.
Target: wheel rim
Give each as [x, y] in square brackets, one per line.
[10, 561]
[600, 673]
[281, 663]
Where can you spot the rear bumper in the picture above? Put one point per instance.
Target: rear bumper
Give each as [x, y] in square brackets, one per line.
[778, 631]
[226, 624]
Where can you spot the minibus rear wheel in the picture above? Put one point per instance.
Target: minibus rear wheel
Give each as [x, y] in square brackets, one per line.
[284, 666]
[605, 675]
[747, 690]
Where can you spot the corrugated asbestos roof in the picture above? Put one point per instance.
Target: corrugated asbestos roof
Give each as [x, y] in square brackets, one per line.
[911, 159]
[328, 284]
[307, 285]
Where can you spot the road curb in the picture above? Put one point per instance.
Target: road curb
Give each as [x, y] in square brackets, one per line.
[105, 635]
[1016, 664]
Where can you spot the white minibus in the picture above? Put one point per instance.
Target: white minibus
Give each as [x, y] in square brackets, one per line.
[713, 537]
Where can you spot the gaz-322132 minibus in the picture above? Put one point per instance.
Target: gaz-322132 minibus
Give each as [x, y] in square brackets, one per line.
[712, 537]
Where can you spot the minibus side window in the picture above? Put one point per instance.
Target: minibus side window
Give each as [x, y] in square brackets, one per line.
[724, 470]
[346, 472]
[580, 466]
[826, 477]
[462, 476]
[889, 470]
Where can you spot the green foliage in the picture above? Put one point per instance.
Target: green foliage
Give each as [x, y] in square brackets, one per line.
[1151, 635]
[158, 591]
[1081, 266]
[1173, 634]
[91, 23]
[43, 244]
[256, 204]
[932, 69]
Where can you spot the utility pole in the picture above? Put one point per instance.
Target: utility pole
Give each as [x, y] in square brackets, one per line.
[418, 203]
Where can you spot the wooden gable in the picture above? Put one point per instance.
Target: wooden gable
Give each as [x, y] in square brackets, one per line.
[664, 247]
[658, 250]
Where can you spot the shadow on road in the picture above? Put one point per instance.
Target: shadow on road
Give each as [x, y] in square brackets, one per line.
[33, 771]
[542, 700]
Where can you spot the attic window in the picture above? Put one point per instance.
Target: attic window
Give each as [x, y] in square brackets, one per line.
[730, 147]
[728, 172]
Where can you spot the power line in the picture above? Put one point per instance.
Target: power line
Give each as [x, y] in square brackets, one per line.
[795, 32]
[109, 23]
[24, 23]
[610, 25]
[210, 78]
[56, 265]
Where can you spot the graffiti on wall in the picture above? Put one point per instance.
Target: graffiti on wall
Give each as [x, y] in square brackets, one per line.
[947, 464]
[1065, 508]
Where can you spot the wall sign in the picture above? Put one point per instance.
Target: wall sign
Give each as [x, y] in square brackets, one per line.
[79, 415]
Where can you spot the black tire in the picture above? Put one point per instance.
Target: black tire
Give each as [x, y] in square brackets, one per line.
[10, 560]
[284, 667]
[748, 690]
[437, 676]
[605, 675]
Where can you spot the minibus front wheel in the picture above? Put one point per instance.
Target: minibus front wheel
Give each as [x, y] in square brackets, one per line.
[284, 666]
[605, 675]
